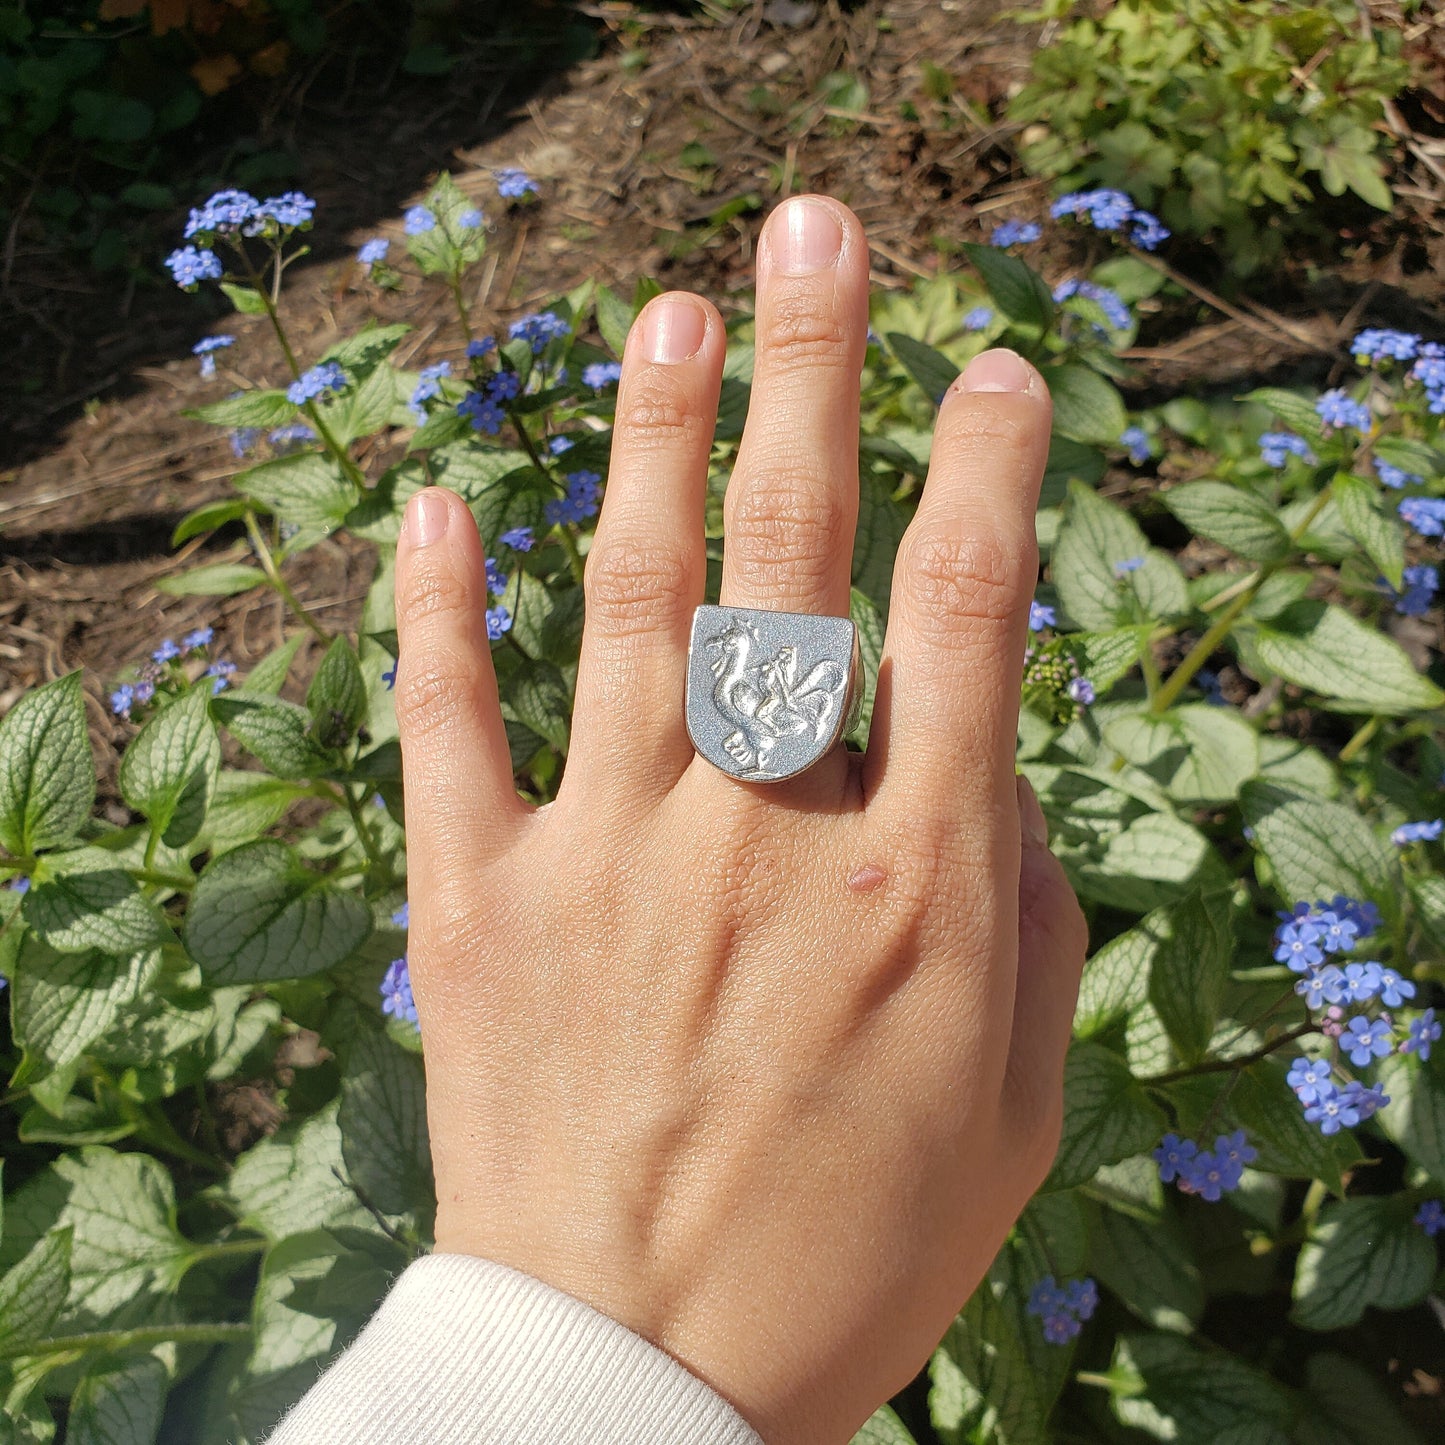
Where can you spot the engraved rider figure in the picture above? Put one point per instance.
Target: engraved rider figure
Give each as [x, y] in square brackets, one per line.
[766, 701]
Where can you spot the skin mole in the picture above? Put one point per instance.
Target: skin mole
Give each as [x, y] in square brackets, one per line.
[866, 878]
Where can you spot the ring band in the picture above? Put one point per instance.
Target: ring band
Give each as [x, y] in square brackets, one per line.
[769, 693]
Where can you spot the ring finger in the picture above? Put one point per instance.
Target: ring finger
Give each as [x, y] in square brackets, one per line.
[792, 503]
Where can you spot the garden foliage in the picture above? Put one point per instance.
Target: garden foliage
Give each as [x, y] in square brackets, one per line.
[1226, 718]
[1229, 117]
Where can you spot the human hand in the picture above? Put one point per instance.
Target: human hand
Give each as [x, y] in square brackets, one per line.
[764, 1072]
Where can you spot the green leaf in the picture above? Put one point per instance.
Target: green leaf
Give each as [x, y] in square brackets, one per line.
[870, 646]
[875, 544]
[367, 407]
[1150, 863]
[471, 469]
[1232, 517]
[295, 1180]
[538, 698]
[246, 299]
[1105, 657]
[1322, 647]
[1316, 847]
[1361, 1253]
[219, 579]
[307, 488]
[1151, 1268]
[251, 408]
[1094, 537]
[82, 899]
[33, 1291]
[1382, 537]
[614, 319]
[883, 1427]
[383, 1124]
[169, 770]
[121, 1211]
[1297, 412]
[269, 675]
[1116, 978]
[277, 732]
[246, 805]
[47, 775]
[1346, 1404]
[1086, 406]
[378, 515]
[207, 518]
[1265, 1106]
[258, 914]
[1017, 289]
[1415, 1116]
[981, 1383]
[1196, 1397]
[931, 369]
[1198, 753]
[1107, 1116]
[361, 353]
[1190, 972]
[122, 1405]
[63, 1002]
[337, 695]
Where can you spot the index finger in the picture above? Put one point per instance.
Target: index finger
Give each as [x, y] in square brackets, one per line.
[948, 694]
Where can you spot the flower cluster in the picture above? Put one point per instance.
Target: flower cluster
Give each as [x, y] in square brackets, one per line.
[978, 319]
[600, 374]
[1209, 1173]
[1063, 1309]
[513, 183]
[1430, 1216]
[1380, 345]
[1396, 477]
[1425, 514]
[1108, 210]
[1052, 673]
[579, 503]
[1135, 441]
[232, 214]
[539, 327]
[428, 387]
[1015, 233]
[519, 539]
[373, 251]
[1338, 409]
[206, 348]
[1424, 832]
[1116, 313]
[396, 996]
[158, 668]
[325, 376]
[1422, 582]
[484, 406]
[1276, 447]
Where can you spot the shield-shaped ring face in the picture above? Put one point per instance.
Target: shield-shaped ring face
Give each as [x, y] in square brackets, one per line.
[769, 693]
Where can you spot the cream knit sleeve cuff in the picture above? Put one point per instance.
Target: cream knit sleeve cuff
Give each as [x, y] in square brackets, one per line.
[466, 1352]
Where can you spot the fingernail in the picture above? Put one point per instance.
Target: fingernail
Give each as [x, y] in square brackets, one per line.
[1032, 823]
[806, 237]
[427, 515]
[672, 329]
[996, 370]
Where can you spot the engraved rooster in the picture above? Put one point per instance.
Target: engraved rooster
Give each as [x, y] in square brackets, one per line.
[765, 700]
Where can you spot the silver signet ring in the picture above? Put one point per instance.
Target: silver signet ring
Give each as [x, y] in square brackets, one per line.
[769, 693]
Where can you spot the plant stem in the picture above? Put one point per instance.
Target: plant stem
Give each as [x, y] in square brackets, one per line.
[144, 1338]
[1224, 1066]
[163, 880]
[574, 557]
[1351, 749]
[454, 279]
[228, 1249]
[1223, 625]
[273, 575]
[363, 833]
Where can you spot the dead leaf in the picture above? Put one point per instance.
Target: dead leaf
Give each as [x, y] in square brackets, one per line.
[216, 73]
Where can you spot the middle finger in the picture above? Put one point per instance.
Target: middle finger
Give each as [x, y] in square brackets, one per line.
[792, 502]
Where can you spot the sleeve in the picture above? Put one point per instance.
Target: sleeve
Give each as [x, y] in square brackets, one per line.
[467, 1352]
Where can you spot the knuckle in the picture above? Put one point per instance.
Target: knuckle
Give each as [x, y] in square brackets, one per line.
[777, 524]
[976, 576]
[433, 695]
[656, 405]
[632, 586]
[802, 328]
